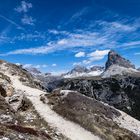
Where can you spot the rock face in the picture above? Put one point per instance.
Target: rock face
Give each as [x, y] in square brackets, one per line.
[78, 69]
[97, 68]
[120, 91]
[115, 58]
[119, 70]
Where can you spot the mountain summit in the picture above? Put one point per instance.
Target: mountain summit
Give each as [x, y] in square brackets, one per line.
[115, 58]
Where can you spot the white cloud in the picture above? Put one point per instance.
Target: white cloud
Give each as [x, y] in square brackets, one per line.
[38, 66]
[97, 55]
[44, 66]
[62, 42]
[77, 63]
[123, 27]
[93, 56]
[4, 39]
[28, 20]
[133, 43]
[80, 54]
[79, 14]
[24, 7]
[82, 39]
[118, 26]
[138, 53]
[34, 36]
[54, 65]
[107, 37]
[27, 65]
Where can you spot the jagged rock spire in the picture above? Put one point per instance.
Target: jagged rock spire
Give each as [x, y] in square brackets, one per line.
[115, 58]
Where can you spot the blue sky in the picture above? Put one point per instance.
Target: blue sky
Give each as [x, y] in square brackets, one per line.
[54, 36]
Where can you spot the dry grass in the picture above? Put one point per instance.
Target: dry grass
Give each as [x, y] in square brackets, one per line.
[91, 115]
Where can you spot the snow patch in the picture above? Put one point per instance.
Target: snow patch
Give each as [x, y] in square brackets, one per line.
[117, 70]
[84, 74]
[64, 93]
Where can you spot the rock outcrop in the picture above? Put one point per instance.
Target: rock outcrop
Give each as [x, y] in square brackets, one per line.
[78, 69]
[115, 58]
[97, 68]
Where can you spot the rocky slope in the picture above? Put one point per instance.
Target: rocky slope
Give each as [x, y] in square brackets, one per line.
[18, 118]
[25, 76]
[93, 115]
[117, 86]
[115, 58]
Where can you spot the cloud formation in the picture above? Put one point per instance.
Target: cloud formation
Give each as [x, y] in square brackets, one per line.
[34, 66]
[97, 55]
[23, 7]
[107, 37]
[28, 20]
[80, 54]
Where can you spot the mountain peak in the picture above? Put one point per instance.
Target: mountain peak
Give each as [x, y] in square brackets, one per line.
[115, 58]
[79, 69]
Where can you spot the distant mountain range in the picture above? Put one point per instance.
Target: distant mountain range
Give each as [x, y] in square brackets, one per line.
[115, 64]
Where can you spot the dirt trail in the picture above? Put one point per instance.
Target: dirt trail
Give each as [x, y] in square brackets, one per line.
[69, 129]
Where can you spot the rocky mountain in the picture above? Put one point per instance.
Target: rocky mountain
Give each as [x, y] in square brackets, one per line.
[117, 65]
[118, 70]
[115, 58]
[79, 108]
[96, 68]
[117, 86]
[80, 71]
[33, 71]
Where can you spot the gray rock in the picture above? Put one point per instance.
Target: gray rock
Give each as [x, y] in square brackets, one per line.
[115, 58]
[122, 92]
[78, 69]
[96, 68]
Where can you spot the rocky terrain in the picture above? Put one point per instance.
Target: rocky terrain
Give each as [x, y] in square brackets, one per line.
[118, 85]
[91, 114]
[18, 118]
[36, 106]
